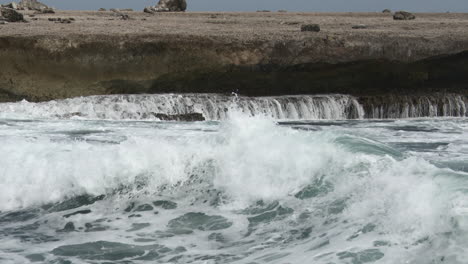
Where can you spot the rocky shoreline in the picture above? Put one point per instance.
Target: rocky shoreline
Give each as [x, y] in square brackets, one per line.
[254, 54]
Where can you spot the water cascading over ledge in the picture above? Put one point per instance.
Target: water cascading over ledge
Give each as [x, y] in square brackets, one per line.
[199, 107]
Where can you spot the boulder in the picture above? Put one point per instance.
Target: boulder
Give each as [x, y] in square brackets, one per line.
[12, 5]
[311, 27]
[403, 15]
[31, 5]
[11, 15]
[387, 11]
[149, 9]
[171, 6]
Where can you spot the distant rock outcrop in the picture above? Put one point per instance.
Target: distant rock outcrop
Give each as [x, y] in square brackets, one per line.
[31, 5]
[403, 15]
[387, 11]
[167, 6]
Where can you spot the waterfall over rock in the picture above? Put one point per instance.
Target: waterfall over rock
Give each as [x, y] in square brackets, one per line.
[199, 107]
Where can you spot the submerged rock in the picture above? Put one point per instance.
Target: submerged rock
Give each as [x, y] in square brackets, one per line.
[77, 213]
[11, 15]
[403, 15]
[143, 208]
[165, 204]
[199, 221]
[104, 250]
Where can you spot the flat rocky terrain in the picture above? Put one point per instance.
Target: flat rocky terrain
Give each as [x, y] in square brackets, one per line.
[242, 26]
[259, 53]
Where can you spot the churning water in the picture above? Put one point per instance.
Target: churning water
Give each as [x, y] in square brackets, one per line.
[247, 189]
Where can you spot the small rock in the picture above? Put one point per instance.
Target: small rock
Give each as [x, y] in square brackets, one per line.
[311, 27]
[387, 11]
[102, 9]
[69, 227]
[402, 15]
[360, 26]
[11, 15]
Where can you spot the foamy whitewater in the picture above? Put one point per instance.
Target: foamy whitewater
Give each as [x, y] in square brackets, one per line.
[89, 180]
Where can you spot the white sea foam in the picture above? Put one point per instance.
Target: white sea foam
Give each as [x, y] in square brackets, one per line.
[372, 193]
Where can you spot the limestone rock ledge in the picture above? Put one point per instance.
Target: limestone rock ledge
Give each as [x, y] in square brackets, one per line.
[250, 54]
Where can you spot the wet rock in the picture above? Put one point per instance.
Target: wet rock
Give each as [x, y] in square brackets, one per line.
[168, 6]
[144, 208]
[96, 227]
[11, 15]
[182, 117]
[310, 28]
[360, 26]
[75, 202]
[403, 15]
[267, 217]
[365, 256]
[102, 9]
[199, 221]
[111, 251]
[19, 216]
[319, 187]
[130, 207]
[387, 11]
[77, 213]
[134, 215]
[69, 227]
[168, 205]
